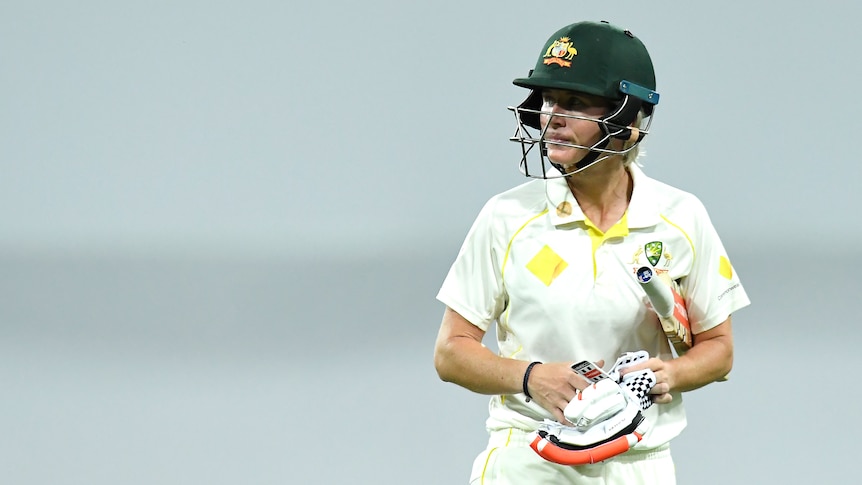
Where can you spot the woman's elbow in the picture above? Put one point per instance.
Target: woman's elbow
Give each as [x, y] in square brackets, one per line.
[442, 359]
[727, 362]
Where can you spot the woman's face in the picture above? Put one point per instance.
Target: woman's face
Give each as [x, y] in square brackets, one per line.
[571, 131]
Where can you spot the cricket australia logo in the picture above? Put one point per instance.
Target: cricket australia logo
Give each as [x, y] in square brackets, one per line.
[653, 251]
[560, 52]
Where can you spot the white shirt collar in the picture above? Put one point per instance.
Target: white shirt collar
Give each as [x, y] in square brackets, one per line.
[643, 210]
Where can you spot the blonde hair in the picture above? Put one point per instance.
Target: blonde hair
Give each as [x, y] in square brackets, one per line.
[632, 155]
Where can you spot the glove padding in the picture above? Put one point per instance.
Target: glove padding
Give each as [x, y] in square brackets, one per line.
[595, 404]
[607, 417]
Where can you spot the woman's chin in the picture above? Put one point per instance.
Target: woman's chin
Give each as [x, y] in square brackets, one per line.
[566, 157]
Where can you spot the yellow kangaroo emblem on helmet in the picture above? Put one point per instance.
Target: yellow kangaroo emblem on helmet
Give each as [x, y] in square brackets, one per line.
[560, 52]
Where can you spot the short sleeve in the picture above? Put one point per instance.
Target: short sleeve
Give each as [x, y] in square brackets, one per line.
[474, 286]
[712, 288]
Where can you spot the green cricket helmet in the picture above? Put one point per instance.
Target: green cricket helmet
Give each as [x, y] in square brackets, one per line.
[595, 58]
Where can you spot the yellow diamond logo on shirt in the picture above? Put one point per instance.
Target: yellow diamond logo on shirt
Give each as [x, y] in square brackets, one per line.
[547, 265]
[724, 267]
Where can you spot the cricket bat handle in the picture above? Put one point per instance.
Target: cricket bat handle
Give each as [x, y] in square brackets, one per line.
[670, 308]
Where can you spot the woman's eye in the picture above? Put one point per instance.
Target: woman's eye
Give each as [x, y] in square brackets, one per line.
[569, 104]
[572, 104]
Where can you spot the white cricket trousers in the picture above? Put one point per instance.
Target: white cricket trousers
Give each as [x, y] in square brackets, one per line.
[509, 460]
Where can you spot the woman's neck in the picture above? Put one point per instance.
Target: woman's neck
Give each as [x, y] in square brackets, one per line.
[603, 192]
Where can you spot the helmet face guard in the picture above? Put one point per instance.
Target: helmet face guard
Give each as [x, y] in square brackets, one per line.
[617, 125]
[594, 58]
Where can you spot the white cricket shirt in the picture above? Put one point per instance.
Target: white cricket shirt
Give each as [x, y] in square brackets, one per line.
[559, 290]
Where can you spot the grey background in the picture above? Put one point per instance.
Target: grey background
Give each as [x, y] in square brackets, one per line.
[222, 227]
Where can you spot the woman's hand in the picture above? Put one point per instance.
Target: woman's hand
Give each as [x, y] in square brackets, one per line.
[663, 370]
[554, 385]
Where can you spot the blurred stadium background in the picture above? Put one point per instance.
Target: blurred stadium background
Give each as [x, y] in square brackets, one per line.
[222, 228]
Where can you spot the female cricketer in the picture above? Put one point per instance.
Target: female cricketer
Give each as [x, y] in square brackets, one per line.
[551, 264]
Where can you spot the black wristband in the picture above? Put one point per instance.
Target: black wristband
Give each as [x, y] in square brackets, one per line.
[526, 378]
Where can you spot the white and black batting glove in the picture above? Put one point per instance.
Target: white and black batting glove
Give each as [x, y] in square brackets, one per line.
[639, 383]
[606, 415]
